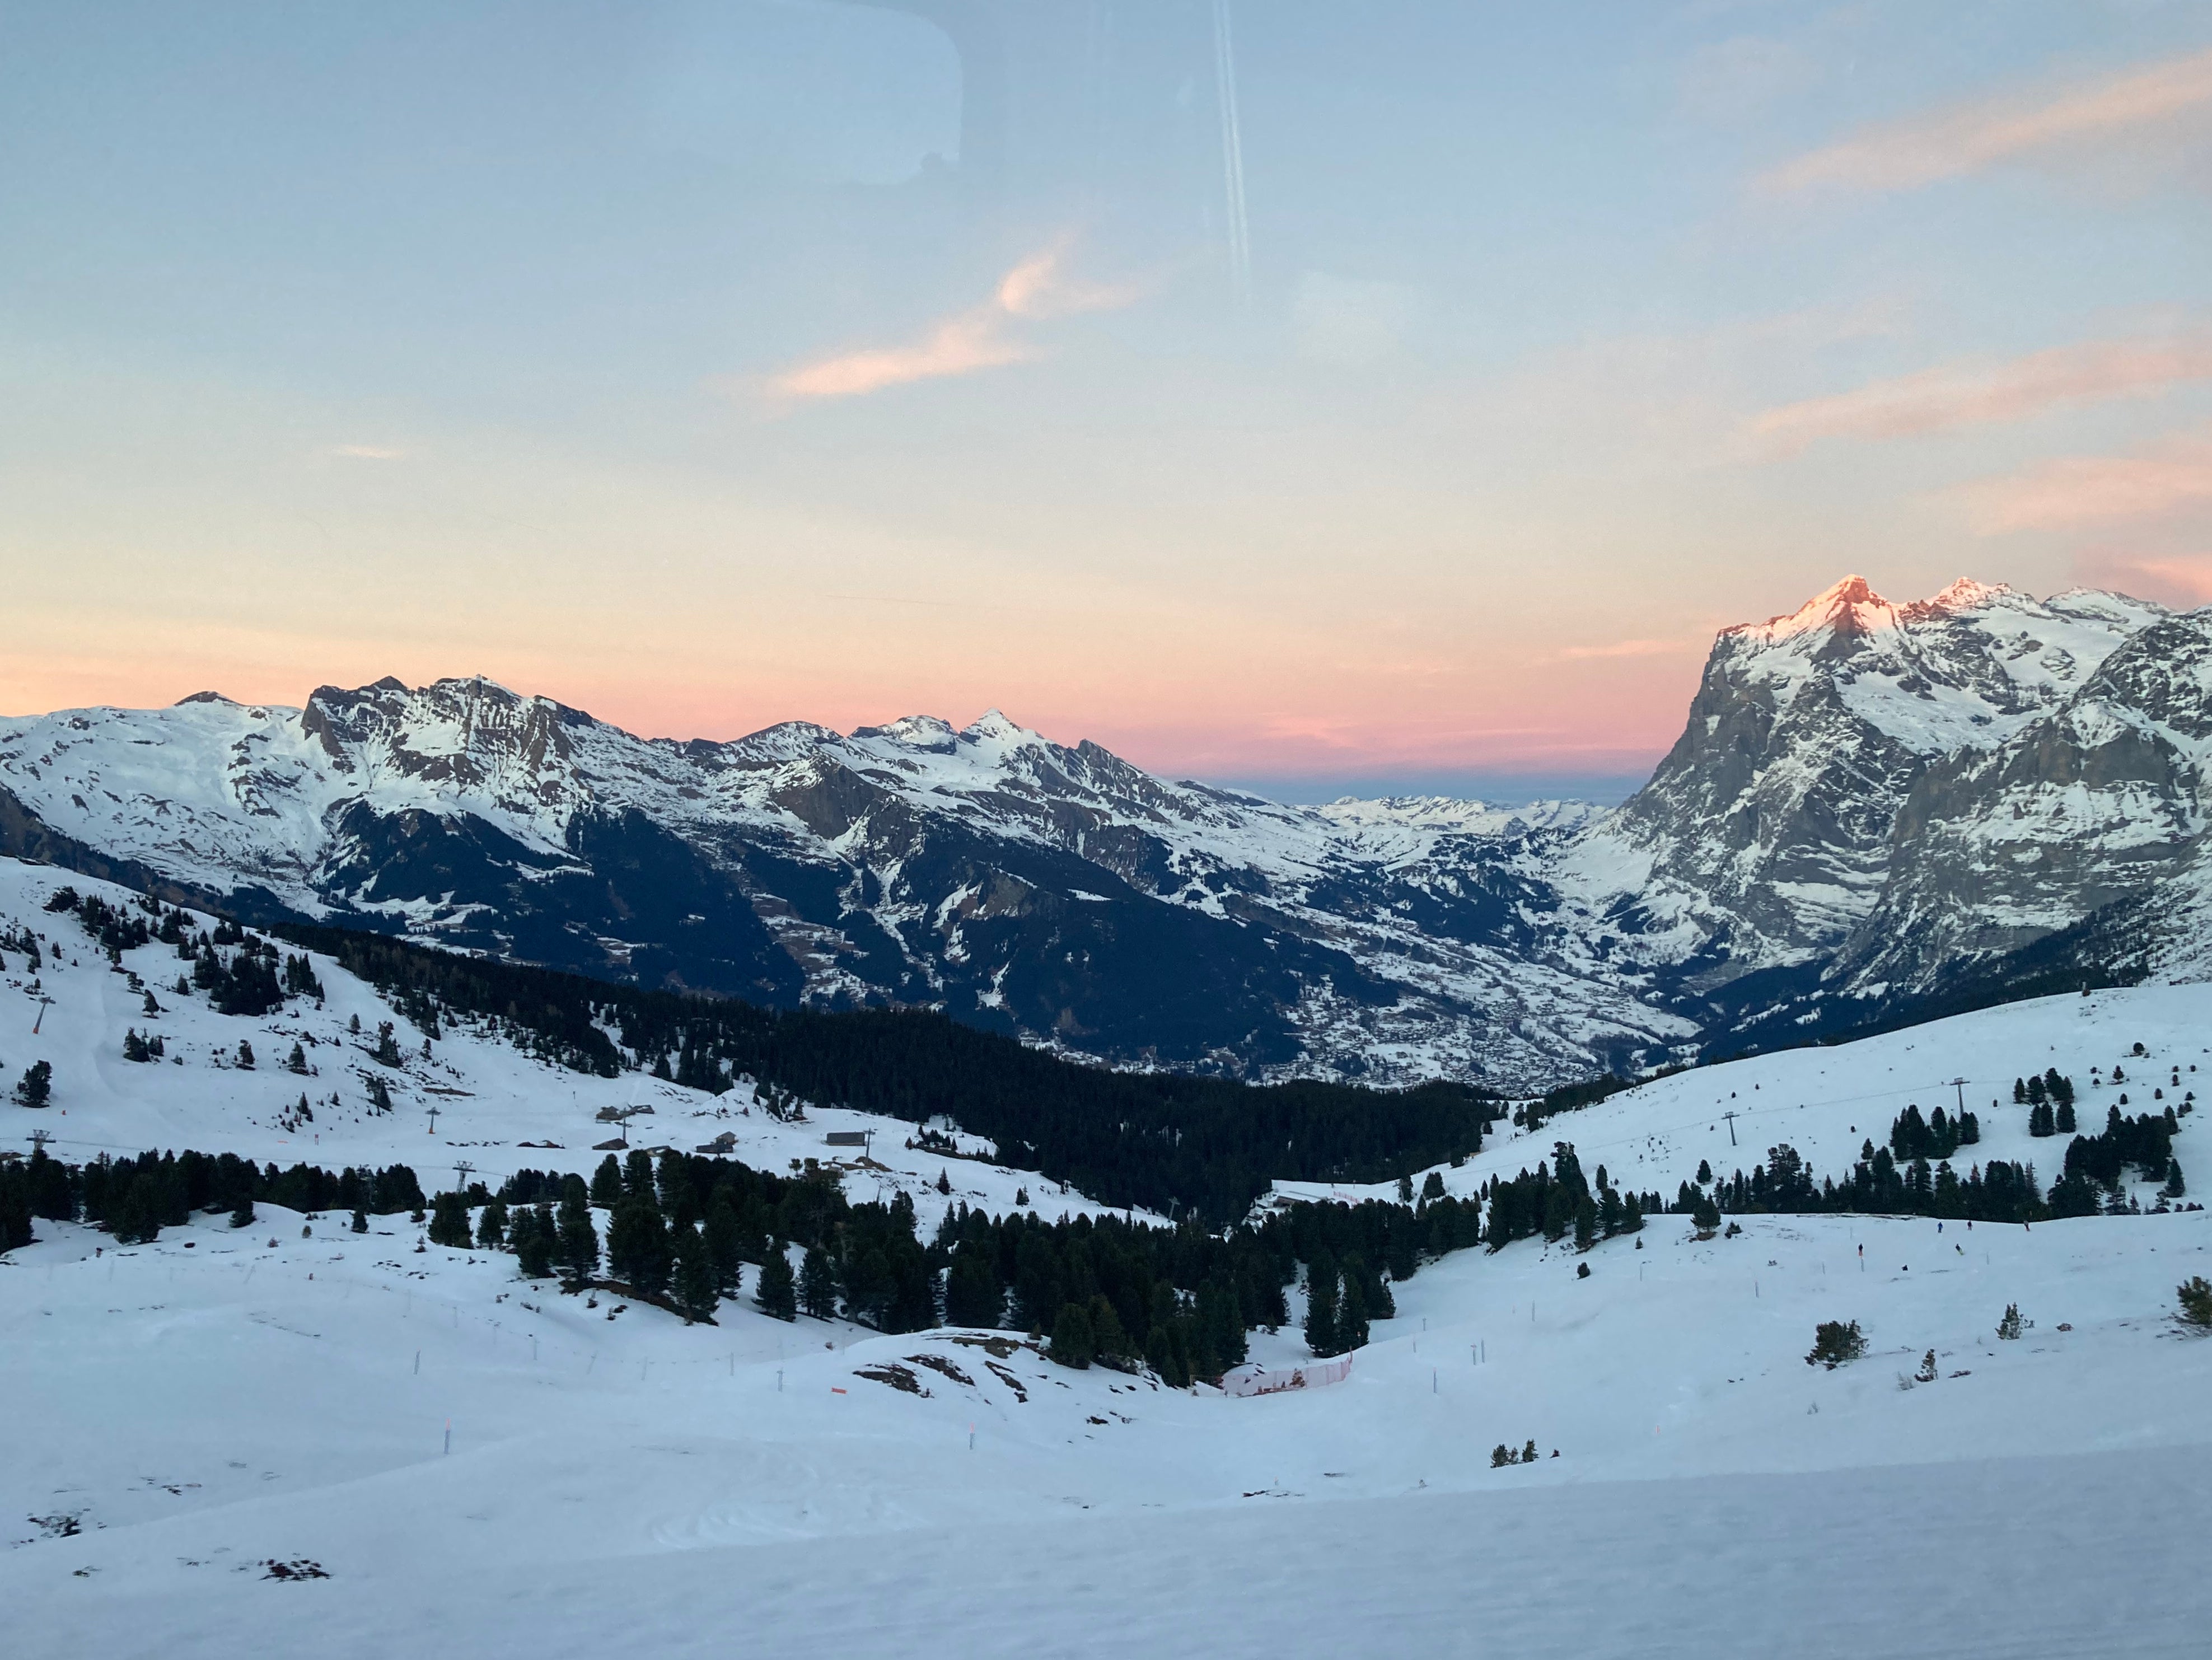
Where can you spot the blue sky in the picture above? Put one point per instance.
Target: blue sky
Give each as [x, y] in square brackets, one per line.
[707, 365]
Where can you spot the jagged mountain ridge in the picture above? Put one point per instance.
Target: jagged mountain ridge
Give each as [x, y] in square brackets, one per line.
[1869, 801]
[1057, 893]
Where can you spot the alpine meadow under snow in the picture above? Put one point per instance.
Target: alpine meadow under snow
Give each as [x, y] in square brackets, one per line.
[294, 1432]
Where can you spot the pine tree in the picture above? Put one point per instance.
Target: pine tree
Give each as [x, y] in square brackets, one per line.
[972, 1294]
[245, 1062]
[638, 1250]
[2009, 1327]
[2064, 1124]
[776, 1294]
[1113, 1342]
[1352, 1316]
[2194, 1296]
[724, 1235]
[817, 1284]
[1159, 1356]
[533, 1238]
[695, 1290]
[1071, 1337]
[607, 1183]
[360, 1219]
[37, 1087]
[491, 1226]
[297, 1061]
[1836, 1342]
[241, 1213]
[576, 1246]
[449, 1221]
[1321, 1308]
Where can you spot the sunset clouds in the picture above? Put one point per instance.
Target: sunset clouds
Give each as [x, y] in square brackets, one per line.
[959, 346]
[2070, 492]
[1037, 288]
[1967, 137]
[1956, 395]
[1568, 339]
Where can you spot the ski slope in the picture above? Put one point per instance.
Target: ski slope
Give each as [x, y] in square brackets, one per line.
[495, 1107]
[1826, 1102]
[433, 1451]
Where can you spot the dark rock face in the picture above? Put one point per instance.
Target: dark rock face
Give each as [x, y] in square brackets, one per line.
[1872, 808]
[2099, 802]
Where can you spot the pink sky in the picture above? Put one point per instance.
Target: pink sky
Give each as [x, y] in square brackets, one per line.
[1465, 482]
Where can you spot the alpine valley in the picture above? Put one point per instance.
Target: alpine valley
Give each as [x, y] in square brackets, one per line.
[1875, 813]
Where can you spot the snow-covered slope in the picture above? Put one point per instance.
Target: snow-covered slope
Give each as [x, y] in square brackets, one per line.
[494, 1106]
[472, 1460]
[1826, 1102]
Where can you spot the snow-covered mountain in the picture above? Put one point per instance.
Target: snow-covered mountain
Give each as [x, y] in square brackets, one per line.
[1056, 892]
[1871, 802]
[1872, 806]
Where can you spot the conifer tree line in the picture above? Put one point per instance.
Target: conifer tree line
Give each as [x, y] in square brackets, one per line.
[1557, 1199]
[1152, 1140]
[136, 1198]
[1881, 1184]
[688, 1230]
[245, 983]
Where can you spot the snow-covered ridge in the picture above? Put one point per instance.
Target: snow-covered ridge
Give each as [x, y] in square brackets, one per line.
[323, 807]
[1866, 793]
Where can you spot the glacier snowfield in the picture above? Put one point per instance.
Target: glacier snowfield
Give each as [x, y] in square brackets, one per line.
[293, 1439]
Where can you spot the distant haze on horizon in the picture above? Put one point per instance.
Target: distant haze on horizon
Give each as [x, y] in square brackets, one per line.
[708, 365]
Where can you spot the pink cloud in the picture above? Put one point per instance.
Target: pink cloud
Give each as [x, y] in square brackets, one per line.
[1037, 288]
[1962, 395]
[1040, 287]
[958, 345]
[2089, 490]
[1964, 138]
[2184, 581]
